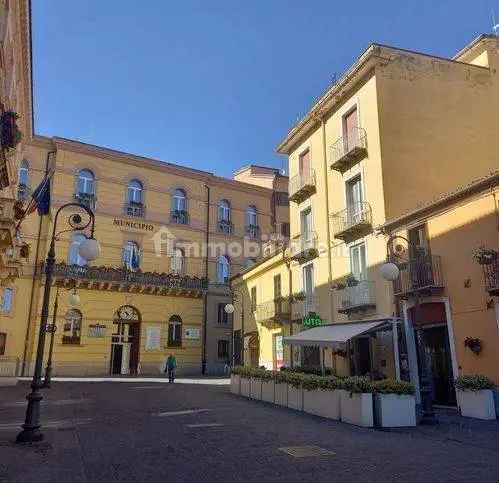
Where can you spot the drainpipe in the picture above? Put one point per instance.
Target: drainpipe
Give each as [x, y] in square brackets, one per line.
[290, 295]
[33, 280]
[206, 271]
[328, 232]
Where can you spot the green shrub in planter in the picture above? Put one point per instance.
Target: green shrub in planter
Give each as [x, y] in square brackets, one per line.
[390, 386]
[356, 385]
[474, 382]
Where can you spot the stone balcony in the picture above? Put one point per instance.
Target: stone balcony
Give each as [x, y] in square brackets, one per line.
[277, 310]
[421, 275]
[303, 247]
[302, 186]
[357, 297]
[348, 150]
[352, 222]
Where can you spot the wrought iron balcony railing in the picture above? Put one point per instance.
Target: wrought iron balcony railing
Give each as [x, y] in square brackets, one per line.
[225, 226]
[348, 150]
[304, 247]
[352, 222]
[302, 186]
[121, 279]
[356, 297]
[303, 308]
[180, 217]
[277, 310]
[252, 231]
[491, 273]
[137, 210]
[421, 274]
[87, 199]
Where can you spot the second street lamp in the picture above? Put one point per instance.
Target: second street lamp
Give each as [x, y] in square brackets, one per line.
[90, 250]
[390, 271]
[74, 301]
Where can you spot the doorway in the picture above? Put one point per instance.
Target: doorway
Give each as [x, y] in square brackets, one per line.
[361, 356]
[125, 342]
[438, 350]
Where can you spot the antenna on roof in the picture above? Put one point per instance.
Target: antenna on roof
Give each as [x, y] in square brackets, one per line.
[495, 26]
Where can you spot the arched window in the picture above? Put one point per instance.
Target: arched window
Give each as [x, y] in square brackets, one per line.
[23, 185]
[178, 261]
[74, 250]
[86, 182]
[131, 256]
[179, 207]
[223, 269]
[72, 327]
[175, 331]
[224, 211]
[224, 215]
[135, 192]
[252, 229]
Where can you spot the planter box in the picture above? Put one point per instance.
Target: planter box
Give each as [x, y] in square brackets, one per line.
[256, 389]
[245, 387]
[322, 403]
[357, 409]
[395, 410]
[268, 391]
[281, 394]
[496, 400]
[477, 404]
[235, 382]
[295, 397]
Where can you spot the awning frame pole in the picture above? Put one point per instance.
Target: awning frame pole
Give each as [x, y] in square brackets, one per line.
[396, 353]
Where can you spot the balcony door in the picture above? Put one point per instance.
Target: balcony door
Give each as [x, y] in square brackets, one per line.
[350, 134]
[355, 197]
[419, 244]
[308, 288]
[421, 269]
[306, 224]
[358, 263]
[304, 163]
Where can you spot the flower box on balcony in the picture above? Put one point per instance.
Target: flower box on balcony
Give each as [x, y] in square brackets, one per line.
[322, 403]
[395, 410]
[235, 384]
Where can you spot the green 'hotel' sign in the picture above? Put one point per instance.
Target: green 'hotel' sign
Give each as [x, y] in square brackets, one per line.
[312, 320]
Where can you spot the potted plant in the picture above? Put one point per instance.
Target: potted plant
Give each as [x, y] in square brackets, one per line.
[300, 296]
[321, 396]
[474, 344]
[485, 256]
[475, 397]
[394, 403]
[351, 281]
[357, 401]
[9, 132]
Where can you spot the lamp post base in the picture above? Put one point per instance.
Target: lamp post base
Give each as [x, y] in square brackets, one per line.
[29, 435]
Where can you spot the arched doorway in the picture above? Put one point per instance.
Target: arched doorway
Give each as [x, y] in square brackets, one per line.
[125, 341]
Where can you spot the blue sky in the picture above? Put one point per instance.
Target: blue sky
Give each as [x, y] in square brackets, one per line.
[215, 84]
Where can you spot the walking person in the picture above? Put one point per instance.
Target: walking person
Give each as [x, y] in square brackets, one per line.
[171, 366]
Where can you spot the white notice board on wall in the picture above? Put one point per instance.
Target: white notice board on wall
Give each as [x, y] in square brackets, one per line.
[153, 338]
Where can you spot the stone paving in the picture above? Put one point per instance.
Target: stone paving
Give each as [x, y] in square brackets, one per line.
[104, 432]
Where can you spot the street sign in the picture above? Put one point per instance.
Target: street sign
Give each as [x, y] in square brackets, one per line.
[312, 320]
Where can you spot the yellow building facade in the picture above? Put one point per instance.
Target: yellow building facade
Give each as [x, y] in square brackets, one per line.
[398, 130]
[170, 238]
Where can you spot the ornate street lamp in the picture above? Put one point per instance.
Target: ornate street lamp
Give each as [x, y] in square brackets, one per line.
[390, 271]
[90, 250]
[74, 301]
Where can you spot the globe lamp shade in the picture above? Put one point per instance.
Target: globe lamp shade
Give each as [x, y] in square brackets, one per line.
[390, 271]
[90, 249]
[229, 309]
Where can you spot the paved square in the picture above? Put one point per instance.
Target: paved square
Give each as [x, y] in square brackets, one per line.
[112, 432]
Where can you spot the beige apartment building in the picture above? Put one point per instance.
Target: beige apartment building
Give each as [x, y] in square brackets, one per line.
[399, 130]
